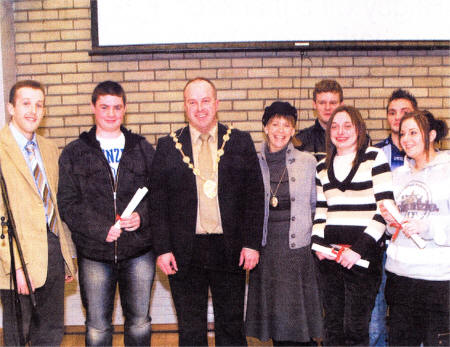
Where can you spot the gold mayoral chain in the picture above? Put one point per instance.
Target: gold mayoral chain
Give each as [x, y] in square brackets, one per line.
[210, 186]
[274, 199]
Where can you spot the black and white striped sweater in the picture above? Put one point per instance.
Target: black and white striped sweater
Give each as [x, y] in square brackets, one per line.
[347, 212]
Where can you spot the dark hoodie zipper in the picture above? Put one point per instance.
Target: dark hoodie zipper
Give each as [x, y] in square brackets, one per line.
[114, 185]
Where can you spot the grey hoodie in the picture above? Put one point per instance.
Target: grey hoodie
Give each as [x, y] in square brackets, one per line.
[423, 195]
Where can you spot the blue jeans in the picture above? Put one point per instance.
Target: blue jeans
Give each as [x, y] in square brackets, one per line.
[378, 334]
[98, 281]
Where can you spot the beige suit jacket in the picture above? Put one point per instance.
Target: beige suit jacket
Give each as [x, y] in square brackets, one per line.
[28, 210]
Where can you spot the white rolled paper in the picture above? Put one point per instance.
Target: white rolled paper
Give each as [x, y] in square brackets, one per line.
[393, 210]
[134, 202]
[329, 251]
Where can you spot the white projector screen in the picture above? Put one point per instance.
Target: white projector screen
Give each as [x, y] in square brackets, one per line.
[199, 25]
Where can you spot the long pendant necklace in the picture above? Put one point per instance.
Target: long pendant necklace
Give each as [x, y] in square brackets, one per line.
[209, 185]
[274, 199]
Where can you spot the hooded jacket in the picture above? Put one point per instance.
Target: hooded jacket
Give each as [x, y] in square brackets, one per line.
[90, 198]
[423, 195]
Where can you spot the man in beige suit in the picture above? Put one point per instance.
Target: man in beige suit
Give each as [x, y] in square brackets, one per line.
[30, 168]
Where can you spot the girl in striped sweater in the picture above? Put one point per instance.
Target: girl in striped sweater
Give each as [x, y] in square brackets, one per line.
[351, 182]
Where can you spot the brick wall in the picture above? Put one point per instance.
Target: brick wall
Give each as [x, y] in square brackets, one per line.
[53, 43]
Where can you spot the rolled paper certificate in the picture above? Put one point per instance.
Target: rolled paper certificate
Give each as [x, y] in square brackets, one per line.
[134, 202]
[392, 209]
[329, 251]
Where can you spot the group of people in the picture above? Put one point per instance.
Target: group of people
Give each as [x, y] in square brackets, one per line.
[310, 216]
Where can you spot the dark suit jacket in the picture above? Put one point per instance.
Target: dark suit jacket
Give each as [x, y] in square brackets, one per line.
[174, 197]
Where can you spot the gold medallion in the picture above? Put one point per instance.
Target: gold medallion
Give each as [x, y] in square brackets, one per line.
[274, 201]
[210, 189]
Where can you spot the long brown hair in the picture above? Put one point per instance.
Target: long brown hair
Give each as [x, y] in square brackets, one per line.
[361, 133]
[426, 122]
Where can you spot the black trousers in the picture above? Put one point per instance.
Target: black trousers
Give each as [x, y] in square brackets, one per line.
[45, 325]
[418, 311]
[190, 295]
[348, 299]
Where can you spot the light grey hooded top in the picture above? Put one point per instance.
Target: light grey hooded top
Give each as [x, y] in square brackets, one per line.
[423, 195]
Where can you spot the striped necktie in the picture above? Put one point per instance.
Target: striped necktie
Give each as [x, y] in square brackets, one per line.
[42, 187]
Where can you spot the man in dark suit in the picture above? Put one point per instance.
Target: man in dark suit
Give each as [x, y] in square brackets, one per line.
[207, 205]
